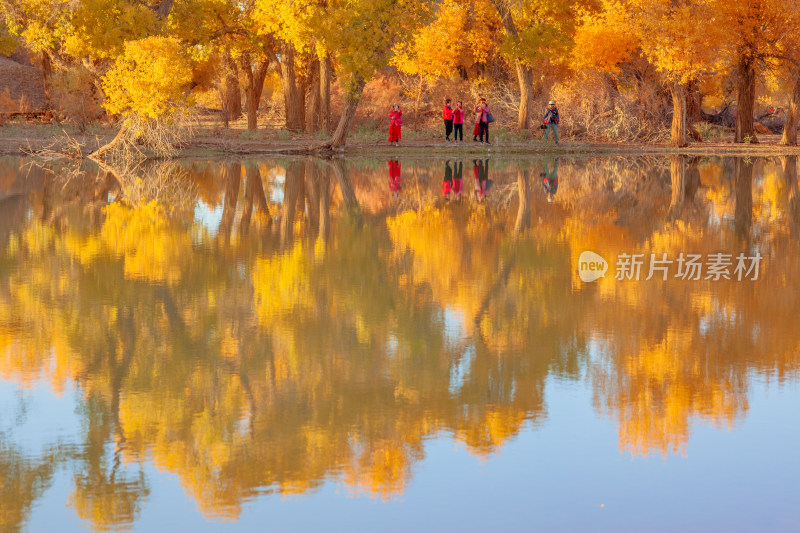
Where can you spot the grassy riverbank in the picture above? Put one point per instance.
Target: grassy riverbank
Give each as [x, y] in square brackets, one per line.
[20, 138]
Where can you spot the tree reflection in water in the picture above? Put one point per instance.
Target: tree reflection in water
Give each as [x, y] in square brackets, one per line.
[316, 327]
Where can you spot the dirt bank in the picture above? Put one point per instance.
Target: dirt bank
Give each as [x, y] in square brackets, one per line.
[22, 138]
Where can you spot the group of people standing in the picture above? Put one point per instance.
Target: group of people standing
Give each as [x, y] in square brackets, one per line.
[454, 121]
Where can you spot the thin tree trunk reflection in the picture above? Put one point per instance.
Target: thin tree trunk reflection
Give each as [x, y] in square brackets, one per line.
[743, 215]
[789, 165]
[677, 175]
[524, 210]
[312, 195]
[292, 186]
[346, 186]
[324, 204]
[233, 177]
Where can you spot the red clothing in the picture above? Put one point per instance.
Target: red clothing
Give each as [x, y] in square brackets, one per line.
[447, 186]
[394, 133]
[457, 183]
[396, 117]
[481, 113]
[447, 112]
[395, 183]
[458, 116]
[477, 129]
[395, 122]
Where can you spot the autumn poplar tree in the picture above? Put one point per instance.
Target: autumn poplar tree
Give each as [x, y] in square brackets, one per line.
[360, 35]
[149, 87]
[677, 37]
[753, 33]
[230, 34]
[301, 49]
[538, 33]
[423, 57]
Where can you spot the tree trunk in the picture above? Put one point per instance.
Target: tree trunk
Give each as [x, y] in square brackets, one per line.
[678, 133]
[325, 70]
[524, 74]
[677, 176]
[789, 137]
[418, 101]
[164, 8]
[118, 139]
[694, 103]
[47, 71]
[352, 95]
[745, 102]
[312, 100]
[694, 109]
[231, 96]
[291, 99]
[525, 78]
[255, 84]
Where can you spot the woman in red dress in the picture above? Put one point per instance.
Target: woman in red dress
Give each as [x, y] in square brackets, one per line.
[395, 123]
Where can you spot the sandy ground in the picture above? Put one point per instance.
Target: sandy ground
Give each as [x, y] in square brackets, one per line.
[21, 138]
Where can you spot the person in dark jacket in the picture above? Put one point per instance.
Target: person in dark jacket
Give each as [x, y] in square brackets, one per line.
[551, 121]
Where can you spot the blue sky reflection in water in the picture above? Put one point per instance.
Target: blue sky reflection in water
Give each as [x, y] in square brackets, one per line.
[323, 346]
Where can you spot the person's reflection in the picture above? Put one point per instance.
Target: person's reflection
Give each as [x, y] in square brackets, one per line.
[550, 180]
[447, 182]
[481, 171]
[395, 182]
[458, 172]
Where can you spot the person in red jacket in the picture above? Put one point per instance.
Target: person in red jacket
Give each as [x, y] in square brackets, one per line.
[458, 123]
[395, 123]
[447, 115]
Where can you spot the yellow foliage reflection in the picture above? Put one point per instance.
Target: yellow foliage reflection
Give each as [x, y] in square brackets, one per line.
[247, 358]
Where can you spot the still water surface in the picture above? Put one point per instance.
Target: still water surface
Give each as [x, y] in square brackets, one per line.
[405, 345]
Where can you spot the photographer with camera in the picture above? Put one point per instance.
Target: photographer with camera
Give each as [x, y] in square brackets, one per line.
[551, 121]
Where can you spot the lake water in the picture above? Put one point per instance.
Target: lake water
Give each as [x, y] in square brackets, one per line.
[401, 345]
